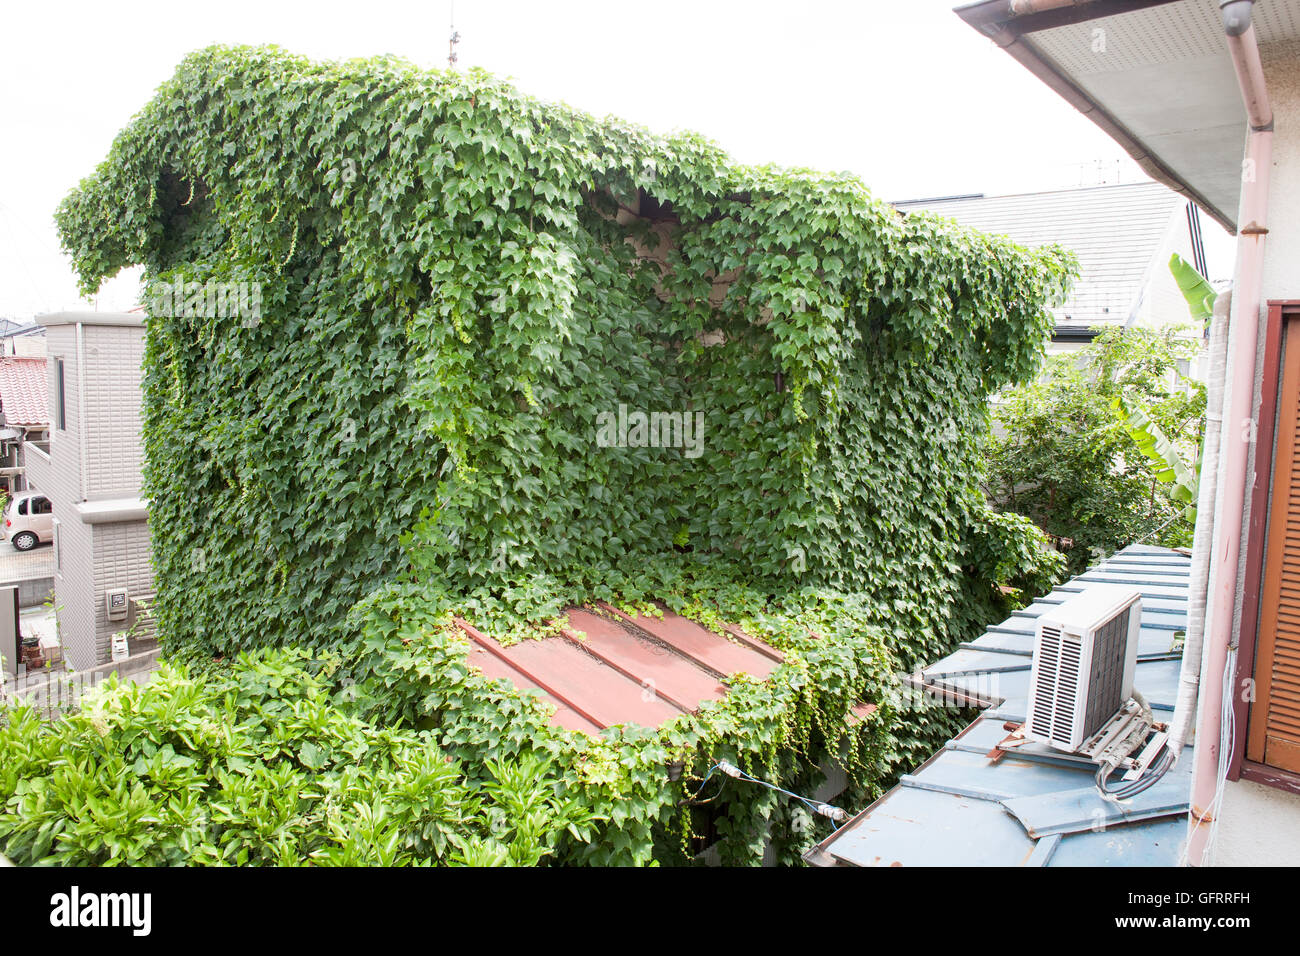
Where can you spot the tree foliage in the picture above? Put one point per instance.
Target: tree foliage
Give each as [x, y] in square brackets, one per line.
[1064, 451]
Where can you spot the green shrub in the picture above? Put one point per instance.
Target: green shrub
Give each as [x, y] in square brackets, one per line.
[260, 767]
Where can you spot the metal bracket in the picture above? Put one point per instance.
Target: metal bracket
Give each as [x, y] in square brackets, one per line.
[1011, 741]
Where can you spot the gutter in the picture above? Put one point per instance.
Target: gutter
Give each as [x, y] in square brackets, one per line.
[1209, 760]
[1074, 333]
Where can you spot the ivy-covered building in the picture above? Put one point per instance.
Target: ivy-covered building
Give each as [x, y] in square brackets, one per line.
[506, 360]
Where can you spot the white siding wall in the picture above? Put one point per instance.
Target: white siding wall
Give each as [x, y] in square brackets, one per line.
[73, 591]
[94, 558]
[113, 446]
[121, 560]
[1162, 301]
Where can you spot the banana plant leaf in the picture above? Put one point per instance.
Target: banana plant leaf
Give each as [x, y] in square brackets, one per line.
[1170, 469]
[1198, 292]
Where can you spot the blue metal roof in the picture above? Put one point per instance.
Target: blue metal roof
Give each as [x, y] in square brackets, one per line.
[1036, 806]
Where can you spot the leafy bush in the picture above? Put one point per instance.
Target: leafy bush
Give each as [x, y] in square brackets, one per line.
[1009, 563]
[1061, 452]
[789, 729]
[261, 766]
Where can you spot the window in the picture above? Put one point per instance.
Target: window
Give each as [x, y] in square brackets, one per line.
[42, 506]
[60, 408]
[22, 506]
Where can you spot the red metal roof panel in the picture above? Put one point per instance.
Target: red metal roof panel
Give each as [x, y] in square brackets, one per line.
[579, 680]
[697, 642]
[676, 679]
[497, 668]
[626, 670]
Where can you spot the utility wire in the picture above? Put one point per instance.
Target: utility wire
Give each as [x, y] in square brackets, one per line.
[834, 814]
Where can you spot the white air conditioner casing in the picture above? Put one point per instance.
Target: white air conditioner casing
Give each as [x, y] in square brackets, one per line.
[1085, 652]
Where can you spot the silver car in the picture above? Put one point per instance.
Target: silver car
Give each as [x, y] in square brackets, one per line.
[29, 520]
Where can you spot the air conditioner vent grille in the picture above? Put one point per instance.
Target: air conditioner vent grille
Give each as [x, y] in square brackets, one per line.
[1104, 688]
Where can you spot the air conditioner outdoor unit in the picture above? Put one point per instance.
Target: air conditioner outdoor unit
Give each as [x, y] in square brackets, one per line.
[1085, 652]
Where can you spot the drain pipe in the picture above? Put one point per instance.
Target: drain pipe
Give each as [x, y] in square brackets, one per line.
[1202, 544]
[1239, 389]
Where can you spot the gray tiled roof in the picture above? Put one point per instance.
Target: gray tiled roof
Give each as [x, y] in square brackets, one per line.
[1114, 230]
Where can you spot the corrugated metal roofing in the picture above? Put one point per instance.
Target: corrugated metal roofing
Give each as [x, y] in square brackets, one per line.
[1115, 231]
[24, 393]
[1035, 806]
[614, 668]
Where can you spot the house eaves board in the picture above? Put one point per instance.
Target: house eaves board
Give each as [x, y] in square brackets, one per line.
[1154, 75]
[1116, 232]
[1035, 806]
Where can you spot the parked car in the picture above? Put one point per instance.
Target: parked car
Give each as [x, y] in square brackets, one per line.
[29, 520]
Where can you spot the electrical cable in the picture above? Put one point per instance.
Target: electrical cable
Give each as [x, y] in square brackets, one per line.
[1119, 751]
[1227, 742]
[694, 798]
[1149, 779]
[834, 814]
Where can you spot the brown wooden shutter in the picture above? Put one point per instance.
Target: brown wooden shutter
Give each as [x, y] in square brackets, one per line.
[1273, 734]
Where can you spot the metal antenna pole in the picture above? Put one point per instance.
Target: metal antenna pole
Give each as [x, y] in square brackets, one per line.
[455, 38]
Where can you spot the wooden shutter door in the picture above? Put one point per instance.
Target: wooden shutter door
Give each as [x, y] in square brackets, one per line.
[1273, 733]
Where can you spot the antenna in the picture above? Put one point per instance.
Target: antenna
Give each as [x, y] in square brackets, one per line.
[454, 39]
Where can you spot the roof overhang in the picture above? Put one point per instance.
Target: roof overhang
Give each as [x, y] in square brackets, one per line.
[128, 319]
[1155, 75]
[1074, 333]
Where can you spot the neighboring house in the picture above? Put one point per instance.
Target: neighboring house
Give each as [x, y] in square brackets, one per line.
[22, 339]
[103, 580]
[1123, 236]
[24, 416]
[1183, 86]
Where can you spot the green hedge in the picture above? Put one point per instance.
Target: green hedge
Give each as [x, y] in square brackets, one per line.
[260, 767]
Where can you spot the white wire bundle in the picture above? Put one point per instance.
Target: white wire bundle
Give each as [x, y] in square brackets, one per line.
[1227, 741]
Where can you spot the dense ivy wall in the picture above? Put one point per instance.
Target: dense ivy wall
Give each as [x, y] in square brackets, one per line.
[453, 286]
[463, 300]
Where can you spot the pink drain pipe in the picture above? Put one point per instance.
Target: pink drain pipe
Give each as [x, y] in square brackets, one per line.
[1238, 417]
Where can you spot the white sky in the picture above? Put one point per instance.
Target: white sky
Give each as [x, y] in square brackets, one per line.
[900, 92]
